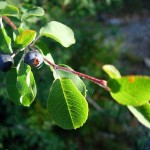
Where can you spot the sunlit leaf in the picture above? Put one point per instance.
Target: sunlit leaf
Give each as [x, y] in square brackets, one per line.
[142, 113]
[111, 71]
[25, 38]
[59, 32]
[9, 10]
[66, 105]
[130, 90]
[26, 84]
[75, 79]
[17, 32]
[3, 4]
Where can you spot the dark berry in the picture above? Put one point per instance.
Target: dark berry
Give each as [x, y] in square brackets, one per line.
[6, 62]
[34, 58]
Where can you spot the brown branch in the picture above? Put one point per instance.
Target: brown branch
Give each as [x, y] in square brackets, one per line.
[102, 83]
[10, 22]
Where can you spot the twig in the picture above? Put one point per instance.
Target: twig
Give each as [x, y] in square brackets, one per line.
[102, 83]
[94, 104]
[32, 44]
[10, 22]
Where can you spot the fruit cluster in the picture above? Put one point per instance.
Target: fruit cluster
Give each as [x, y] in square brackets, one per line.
[32, 58]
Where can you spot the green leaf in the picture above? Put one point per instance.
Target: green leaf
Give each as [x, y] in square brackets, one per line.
[112, 71]
[130, 90]
[142, 113]
[12, 90]
[17, 32]
[5, 42]
[66, 105]
[36, 11]
[25, 38]
[3, 4]
[26, 84]
[74, 78]
[59, 32]
[9, 10]
[14, 2]
[45, 51]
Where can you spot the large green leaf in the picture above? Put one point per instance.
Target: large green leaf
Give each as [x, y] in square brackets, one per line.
[9, 10]
[25, 38]
[36, 11]
[26, 84]
[12, 90]
[130, 90]
[142, 113]
[5, 42]
[66, 105]
[59, 32]
[75, 79]
[112, 71]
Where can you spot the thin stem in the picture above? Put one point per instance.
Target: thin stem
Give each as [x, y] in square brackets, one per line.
[58, 76]
[101, 83]
[1, 24]
[14, 54]
[31, 45]
[10, 22]
[94, 104]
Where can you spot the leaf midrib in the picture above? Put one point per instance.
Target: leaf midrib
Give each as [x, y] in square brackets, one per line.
[66, 102]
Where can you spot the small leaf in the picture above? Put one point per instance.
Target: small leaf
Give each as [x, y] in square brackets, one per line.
[36, 11]
[5, 42]
[74, 78]
[3, 4]
[9, 10]
[26, 84]
[12, 90]
[130, 90]
[25, 38]
[59, 32]
[66, 105]
[112, 71]
[142, 113]
[17, 32]
[46, 52]
[14, 2]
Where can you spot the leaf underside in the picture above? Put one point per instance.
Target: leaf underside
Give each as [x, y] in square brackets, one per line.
[66, 105]
[59, 32]
[142, 113]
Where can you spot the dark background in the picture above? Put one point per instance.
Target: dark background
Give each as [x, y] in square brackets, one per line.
[107, 32]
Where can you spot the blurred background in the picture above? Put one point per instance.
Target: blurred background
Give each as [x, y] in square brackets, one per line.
[107, 32]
